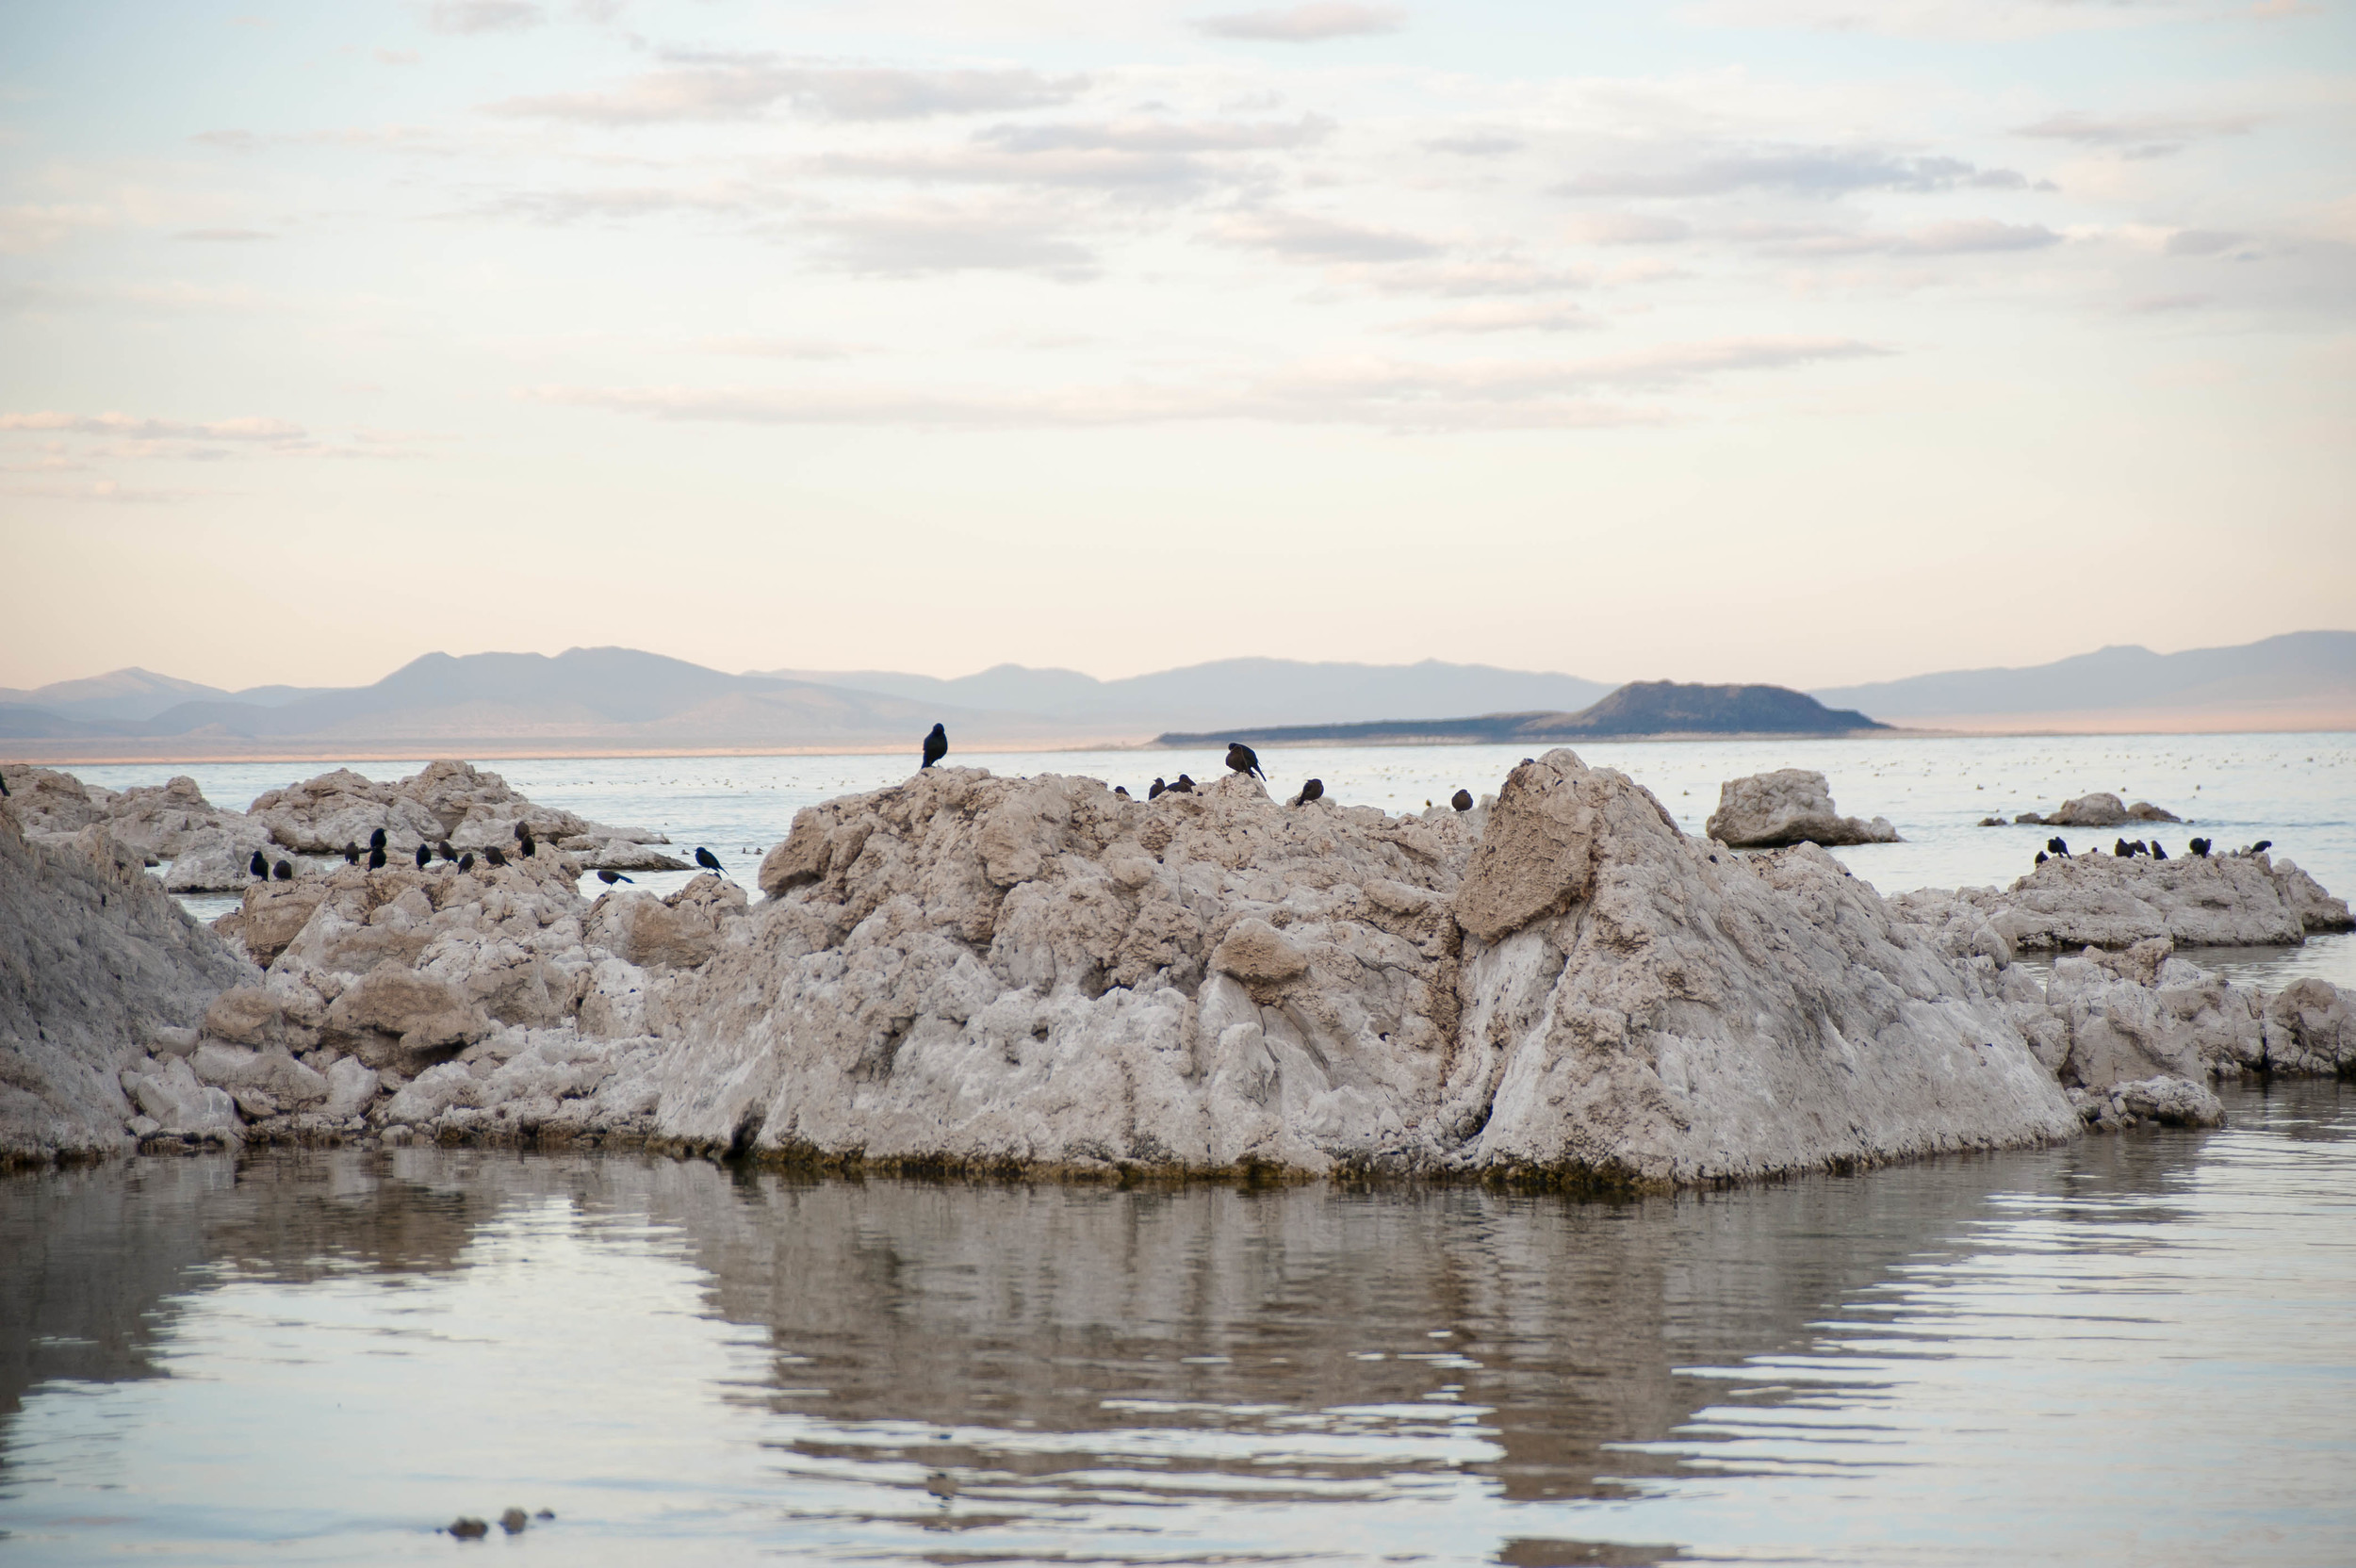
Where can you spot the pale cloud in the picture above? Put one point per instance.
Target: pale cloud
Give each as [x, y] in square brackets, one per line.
[1302, 237]
[916, 241]
[138, 427]
[1626, 228]
[1962, 236]
[736, 88]
[1312, 22]
[1513, 316]
[37, 227]
[1476, 278]
[395, 57]
[1985, 20]
[483, 16]
[1795, 170]
[1475, 144]
[779, 348]
[2138, 136]
[224, 236]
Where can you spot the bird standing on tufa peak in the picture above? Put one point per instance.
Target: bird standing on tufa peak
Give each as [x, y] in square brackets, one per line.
[1242, 758]
[466, 861]
[609, 877]
[425, 857]
[1156, 790]
[710, 861]
[2055, 847]
[1314, 789]
[2157, 853]
[2200, 848]
[376, 856]
[524, 845]
[351, 852]
[446, 853]
[376, 839]
[1462, 800]
[282, 870]
[493, 854]
[935, 747]
[259, 865]
[1184, 785]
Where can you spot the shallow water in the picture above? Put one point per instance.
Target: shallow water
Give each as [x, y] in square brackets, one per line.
[2299, 790]
[2135, 1349]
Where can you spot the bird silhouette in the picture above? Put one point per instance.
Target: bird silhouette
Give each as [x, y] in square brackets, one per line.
[466, 861]
[2157, 853]
[609, 877]
[1462, 800]
[4, 786]
[376, 839]
[2200, 848]
[448, 853]
[2055, 847]
[259, 865]
[1122, 790]
[1184, 785]
[425, 857]
[2119, 851]
[351, 852]
[1242, 758]
[2262, 846]
[282, 870]
[710, 861]
[376, 857]
[492, 854]
[935, 747]
[1314, 789]
[1155, 789]
[2043, 856]
[524, 844]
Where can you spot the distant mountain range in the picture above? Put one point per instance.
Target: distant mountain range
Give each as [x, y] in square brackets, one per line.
[1639, 708]
[591, 701]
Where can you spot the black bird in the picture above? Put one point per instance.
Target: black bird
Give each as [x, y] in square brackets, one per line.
[2120, 851]
[1314, 789]
[710, 861]
[376, 839]
[282, 870]
[1242, 758]
[1121, 789]
[259, 865]
[2200, 848]
[1184, 785]
[1462, 800]
[935, 747]
[2043, 856]
[609, 877]
[376, 858]
[524, 844]
[425, 857]
[466, 861]
[2055, 846]
[2159, 852]
[351, 852]
[448, 853]
[2262, 846]
[4, 786]
[1154, 789]
[491, 853]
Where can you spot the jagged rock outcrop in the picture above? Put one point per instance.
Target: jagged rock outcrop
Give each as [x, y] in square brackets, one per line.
[2100, 810]
[96, 964]
[1038, 973]
[208, 846]
[443, 800]
[2102, 901]
[1789, 805]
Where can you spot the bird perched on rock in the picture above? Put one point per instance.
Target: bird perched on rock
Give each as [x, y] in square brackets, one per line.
[2200, 848]
[4, 786]
[2043, 856]
[492, 854]
[376, 857]
[935, 747]
[2157, 853]
[609, 877]
[2262, 846]
[524, 844]
[1462, 800]
[466, 861]
[1122, 790]
[1156, 790]
[710, 861]
[259, 865]
[282, 870]
[2120, 851]
[425, 857]
[1184, 785]
[376, 839]
[351, 852]
[1242, 758]
[446, 853]
[2055, 847]
[1314, 789]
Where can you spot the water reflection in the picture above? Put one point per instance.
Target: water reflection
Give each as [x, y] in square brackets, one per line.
[321, 1356]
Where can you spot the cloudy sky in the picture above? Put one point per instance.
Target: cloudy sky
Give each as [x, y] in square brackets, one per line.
[1800, 341]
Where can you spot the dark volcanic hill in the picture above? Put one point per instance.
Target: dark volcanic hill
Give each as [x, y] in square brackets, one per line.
[1639, 708]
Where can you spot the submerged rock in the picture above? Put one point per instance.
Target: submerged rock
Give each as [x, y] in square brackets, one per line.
[2101, 810]
[973, 971]
[1789, 805]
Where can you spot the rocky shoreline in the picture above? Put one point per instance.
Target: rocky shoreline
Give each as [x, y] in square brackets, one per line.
[1035, 977]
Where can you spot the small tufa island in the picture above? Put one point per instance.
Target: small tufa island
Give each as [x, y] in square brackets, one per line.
[1642, 709]
[1041, 976]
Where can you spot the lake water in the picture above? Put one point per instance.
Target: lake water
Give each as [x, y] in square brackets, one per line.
[2299, 790]
[2133, 1348]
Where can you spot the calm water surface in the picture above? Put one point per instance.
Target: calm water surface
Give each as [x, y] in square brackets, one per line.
[2299, 790]
[2137, 1349]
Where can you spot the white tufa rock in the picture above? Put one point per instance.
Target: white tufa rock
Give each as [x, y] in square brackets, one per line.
[1791, 806]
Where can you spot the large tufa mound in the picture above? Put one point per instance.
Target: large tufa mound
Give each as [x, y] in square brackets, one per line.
[1791, 806]
[967, 972]
[96, 963]
[2101, 900]
[2100, 810]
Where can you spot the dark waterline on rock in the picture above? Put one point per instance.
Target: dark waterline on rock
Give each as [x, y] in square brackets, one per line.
[2135, 1346]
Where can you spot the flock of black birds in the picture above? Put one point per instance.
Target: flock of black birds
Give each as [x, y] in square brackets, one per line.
[526, 845]
[2057, 849]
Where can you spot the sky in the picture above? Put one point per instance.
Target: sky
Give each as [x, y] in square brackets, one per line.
[1810, 341]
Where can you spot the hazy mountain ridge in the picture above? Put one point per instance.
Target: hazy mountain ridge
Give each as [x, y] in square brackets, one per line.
[2298, 669]
[1639, 708]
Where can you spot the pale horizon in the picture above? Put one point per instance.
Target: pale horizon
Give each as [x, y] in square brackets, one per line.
[1750, 340]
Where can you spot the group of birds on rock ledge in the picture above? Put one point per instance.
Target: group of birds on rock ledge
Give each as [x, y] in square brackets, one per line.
[1240, 759]
[526, 845]
[2056, 850]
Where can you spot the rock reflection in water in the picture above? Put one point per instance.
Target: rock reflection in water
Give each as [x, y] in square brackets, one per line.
[322, 1357]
